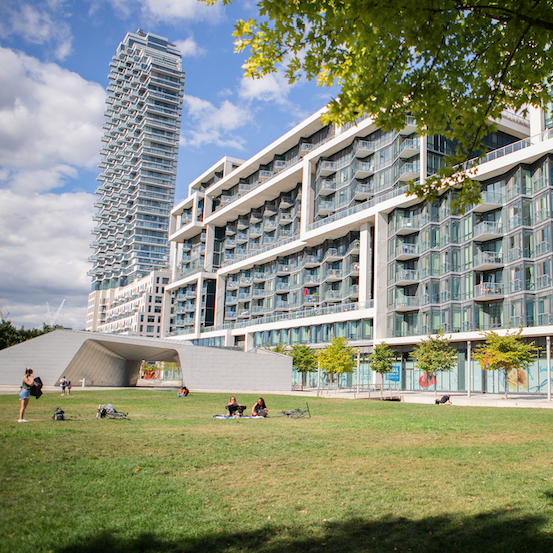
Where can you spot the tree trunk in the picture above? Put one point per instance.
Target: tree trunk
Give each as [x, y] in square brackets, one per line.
[506, 383]
[435, 385]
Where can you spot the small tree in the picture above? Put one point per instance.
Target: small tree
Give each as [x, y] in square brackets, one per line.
[337, 357]
[304, 360]
[279, 348]
[505, 353]
[435, 355]
[382, 360]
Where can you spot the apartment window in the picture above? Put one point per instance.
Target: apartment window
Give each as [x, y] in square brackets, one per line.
[165, 281]
[158, 328]
[151, 319]
[141, 327]
[159, 320]
[157, 309]
[141, 318]
[149, 329]
[159, 299]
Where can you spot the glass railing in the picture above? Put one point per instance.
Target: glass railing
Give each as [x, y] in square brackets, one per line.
[485, 258]
[310, 312]
[486, 289]
[407, 275]
[407, 249]
[486, 227]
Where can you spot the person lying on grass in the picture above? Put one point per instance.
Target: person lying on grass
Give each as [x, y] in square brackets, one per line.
[183, 392]
[234, 408]
[445, 399]
[260, 409]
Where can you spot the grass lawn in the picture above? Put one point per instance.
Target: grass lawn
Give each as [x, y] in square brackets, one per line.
[357, 476]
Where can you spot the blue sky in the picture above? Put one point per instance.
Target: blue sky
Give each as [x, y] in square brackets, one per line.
[54, 57]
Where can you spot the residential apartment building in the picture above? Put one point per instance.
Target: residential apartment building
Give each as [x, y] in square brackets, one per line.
[314, 237]
[137, 308]
[139, 166]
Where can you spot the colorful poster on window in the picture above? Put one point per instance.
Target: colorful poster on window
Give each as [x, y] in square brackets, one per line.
[517, 381]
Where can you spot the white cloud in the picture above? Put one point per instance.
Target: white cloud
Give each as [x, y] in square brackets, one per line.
[270, 88]
[50, 129]
[208, 124]
[50, 122]
[37, 24]
[170, 10]
[43, 255]
[189, 48]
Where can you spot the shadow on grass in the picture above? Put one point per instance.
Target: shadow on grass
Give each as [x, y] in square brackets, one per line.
[496, 532]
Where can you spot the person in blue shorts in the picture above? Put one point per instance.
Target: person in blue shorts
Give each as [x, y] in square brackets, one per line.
[25, 393]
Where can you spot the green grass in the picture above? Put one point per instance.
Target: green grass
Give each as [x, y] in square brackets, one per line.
[358, 476]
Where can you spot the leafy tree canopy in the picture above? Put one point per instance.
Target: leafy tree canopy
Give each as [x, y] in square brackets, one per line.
[505, 353]
[9, 335]
[454, 65]
[382, 358]
[434, 354]
[304, 358]
[337, 357]
[279, 348]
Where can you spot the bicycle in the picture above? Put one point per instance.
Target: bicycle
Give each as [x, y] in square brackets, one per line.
[295, 413]
[109, 411]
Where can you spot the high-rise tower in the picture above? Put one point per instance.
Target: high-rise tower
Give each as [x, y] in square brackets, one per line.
[139, 166]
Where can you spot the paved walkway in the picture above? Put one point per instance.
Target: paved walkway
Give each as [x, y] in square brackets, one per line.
[532, 401]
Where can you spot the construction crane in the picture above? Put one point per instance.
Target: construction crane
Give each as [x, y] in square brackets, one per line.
[2, 315]
[53, 317]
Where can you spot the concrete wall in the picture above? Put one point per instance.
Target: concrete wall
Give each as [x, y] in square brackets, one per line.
[216, 368]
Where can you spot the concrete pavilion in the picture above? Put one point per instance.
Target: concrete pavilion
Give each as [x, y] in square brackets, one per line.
[114, 360]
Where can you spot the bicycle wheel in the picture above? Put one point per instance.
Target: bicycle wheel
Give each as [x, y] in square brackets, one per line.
[281, 414]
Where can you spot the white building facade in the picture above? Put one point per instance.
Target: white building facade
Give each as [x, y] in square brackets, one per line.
[314, 237]
[139, 165]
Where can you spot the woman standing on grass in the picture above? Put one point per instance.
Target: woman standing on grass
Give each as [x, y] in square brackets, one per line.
[25, 393]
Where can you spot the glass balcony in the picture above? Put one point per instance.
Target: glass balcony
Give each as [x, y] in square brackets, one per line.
[488, 291]
[406, 276]
[333, 275]
[333, 295]
[487, 230]
[406, 303]
[327, 186]
[407, 251]
[487, 260]
[541, 248]
[514, 253]
[543, 281]
[490, 200]
[259, 292]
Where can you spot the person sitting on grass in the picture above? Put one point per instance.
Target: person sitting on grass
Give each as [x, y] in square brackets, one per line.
[260, 409]
[445, 399]
[183, 392]
[234, 408]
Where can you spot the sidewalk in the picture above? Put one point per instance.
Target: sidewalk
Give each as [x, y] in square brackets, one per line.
[529, 401]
